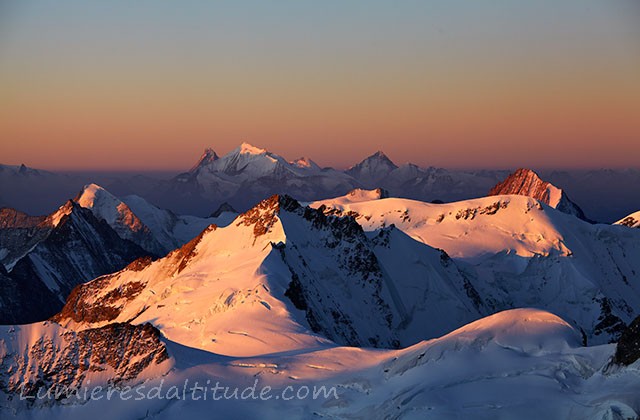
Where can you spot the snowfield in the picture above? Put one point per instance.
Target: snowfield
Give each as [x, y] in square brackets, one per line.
[499, 307]
[523, 253]
[523, 363]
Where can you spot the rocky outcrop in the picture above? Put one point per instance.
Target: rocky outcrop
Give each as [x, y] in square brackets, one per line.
[628, 348]
[262, 217]
[632, 220]
[62, 359]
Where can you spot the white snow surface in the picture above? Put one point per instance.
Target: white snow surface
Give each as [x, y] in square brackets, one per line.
[221, 308]
[523, 363]
[232, 277]
[522, 252]
[156, 230]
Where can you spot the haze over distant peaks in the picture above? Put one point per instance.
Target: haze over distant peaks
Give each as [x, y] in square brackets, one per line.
[249, 173]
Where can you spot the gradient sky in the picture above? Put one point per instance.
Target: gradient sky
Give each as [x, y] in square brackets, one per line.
[149, 84]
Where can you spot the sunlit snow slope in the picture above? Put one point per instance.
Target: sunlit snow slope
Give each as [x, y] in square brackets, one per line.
[520, 252]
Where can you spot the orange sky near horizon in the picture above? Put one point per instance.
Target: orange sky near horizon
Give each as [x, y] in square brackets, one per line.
[449, 90]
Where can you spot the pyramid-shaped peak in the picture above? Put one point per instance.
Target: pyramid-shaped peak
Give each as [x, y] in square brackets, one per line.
[380, 158]
[524, 182]
[527, 182]
[208, 156]
[372, 169]
[380, 155]
[92, 194]
[525, 172]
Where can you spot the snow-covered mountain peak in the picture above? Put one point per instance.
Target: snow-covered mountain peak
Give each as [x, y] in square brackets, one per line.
[252, 287]
[513, 224]
[378, 160]
[94, 196]
[23, 170]
[527, 182]
[249, 149]
[117, 214]
[379, 155]
[264, 215]
[525, 329]
[244, 163]
[156, 230]
[372, 169]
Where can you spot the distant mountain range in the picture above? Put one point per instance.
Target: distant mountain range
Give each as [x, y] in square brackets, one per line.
[247, 174]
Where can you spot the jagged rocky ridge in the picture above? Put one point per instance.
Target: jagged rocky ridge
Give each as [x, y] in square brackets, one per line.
[156, 230]
[250, 298]
[45, 261]
[248, 174]
[44, 257]
[46, 357]
[323, 273]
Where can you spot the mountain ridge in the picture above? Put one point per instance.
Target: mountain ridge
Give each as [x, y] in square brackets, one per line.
[602, 193]
[528, 183]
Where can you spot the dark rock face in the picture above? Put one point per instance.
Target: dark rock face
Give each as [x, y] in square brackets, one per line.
[81, 305]
[106, 309]
[77, 249]
[628, 348]
[263, 216]
[19, 232]
[608, 323]
[123, 348]
[357, 272]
